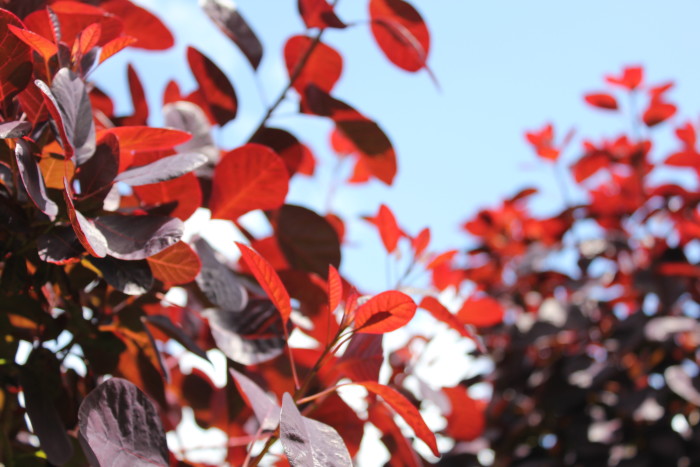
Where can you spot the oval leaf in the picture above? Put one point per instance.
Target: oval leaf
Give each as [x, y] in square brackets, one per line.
[15, 56]
[226, 16]
[150, 33]
[33, 180]
[247, 178]
[119, 425]
[176, 265]
[138, 237]
[145, 138]
[400, 32]
[214, 86]
[385, 312]
[266, 410]
[217, 282]
[310, 61]
[128, 277]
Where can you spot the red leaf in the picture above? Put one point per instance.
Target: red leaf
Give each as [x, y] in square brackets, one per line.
[400, 32]
[687, 135]
[384, 312]
[402, 453]
[335, 288]
[247, 178]
[32, 101]
[116, 45]
[340, 144]
[145, 138]
[420, 242]
[657, 112]
[406, 410]
[388, 228]
[287, 146]
[185, 191]
[543, 143]
[589, 164]
[602, 101]
[86, 40]
[465, 421]
[441, 313]
[481, 311]
[15, 57]
[40, 44]
[74, 17]
[178, 264]
[630, 79]
[319, 14]
[268, 280]
[150, 32]
[214, 86]
[323, 65]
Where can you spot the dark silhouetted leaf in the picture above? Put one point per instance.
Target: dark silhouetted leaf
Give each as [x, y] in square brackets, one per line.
[76, 113]
[59, 246]
[32, 179]
[15, 56]
[307, 240]
[40, 44]
[175, 265]
[441, 313]
[226, 16]
[384, 312]
[163, 169]
[217, 282]
[249, 177]
[266, 410]
[307, 442]
[138, 237]
[97, 173]
[14, 129]
[40, 377]
[215, 88]
[285, 145]
[176, 333]
[129, 277]
[89, 236]
[119, 425]
[318, 14]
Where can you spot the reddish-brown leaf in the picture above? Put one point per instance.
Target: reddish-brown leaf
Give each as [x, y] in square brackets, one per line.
[322, 65]
[15, 58]
[145, 138]
[40, 44]
[178, 264]
[214, 87]
[400, 32]
[116, 45]
[225, 14]
[318, 14]
[247, 178]
[406, 410]
[441, 313]
[89, 236]
[385, 312]
[481, 311]
[268, 280]
[185, 191]
[150, 32]
[335, 288]
[602, 101]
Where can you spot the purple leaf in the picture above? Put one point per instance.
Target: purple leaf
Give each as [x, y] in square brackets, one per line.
[363, 358]
[266, 410]
[59, 246]
[217, 282]
[163, 169]
[41, 379]
[176, 333]
[119, 425]
[129, 277]
[97, 173]
[243, 336]
[89, 236]
[225, 15]
[307, 442]
[138, 237]
[189, 117]
[14, 129]
[33, 180]
[76, 112]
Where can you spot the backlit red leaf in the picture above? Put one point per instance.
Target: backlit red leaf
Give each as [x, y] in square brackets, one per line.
[602, 101]
[15, 57]
[400, 32]
[335, 288]
[630, 78]
[388, 228]
[384, 312]
[116, 45]
[214, 87]
[286, 145]
[465, 421]
[74, 17]
[420, 242]
[268, 280]
[145, 138]
[247, 178]
[657, 112]
[441, 313]
[481, 311]
[175, 265]
[406, 410]
[318, 14]
[150, 32]
[322, 65]
[40, 44]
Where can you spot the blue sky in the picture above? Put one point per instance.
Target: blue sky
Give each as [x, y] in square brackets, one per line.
[503, 68]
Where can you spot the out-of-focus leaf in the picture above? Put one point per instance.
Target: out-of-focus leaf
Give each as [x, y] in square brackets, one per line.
[266, 410]
[680, 382]
[15, 56]
[217, 282]
[322, 65]
[602, 101]
[307, 240]
[32, 179]
[163, 169]
[319, 14]
[307, 442]
[119, 425]
[115, 46]
[480, 311]
[150, 32]
[128, 277]
[99, 171]
[214, 86]
[175, 332]
[138, 237]
[400, 32]
[226, 16]
[384, 312]
[175, 265]
[189, 117]
[441, 313]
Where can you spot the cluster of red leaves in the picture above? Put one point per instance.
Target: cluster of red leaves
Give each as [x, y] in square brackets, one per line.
[93, 206]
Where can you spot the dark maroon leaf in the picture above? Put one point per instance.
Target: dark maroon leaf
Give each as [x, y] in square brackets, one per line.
[59, 246]
[307, 240]
[163, 169]
[189, 117]
[51, 105]
[129, 277]
[226, 16]
[119, 425]
[97, 173]
[138, 237]
[266, 410]
[251, 336]
[15, 56]
[76, 113]
[214, 87]
[14, 129]
[363, 358]
[40, 377]
[283, 143]
[307, 442]
[176, 333]
[32, 179]
[89, 236]
[217, 282]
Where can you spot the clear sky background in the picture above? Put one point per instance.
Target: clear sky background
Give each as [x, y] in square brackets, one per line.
[503, 68]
